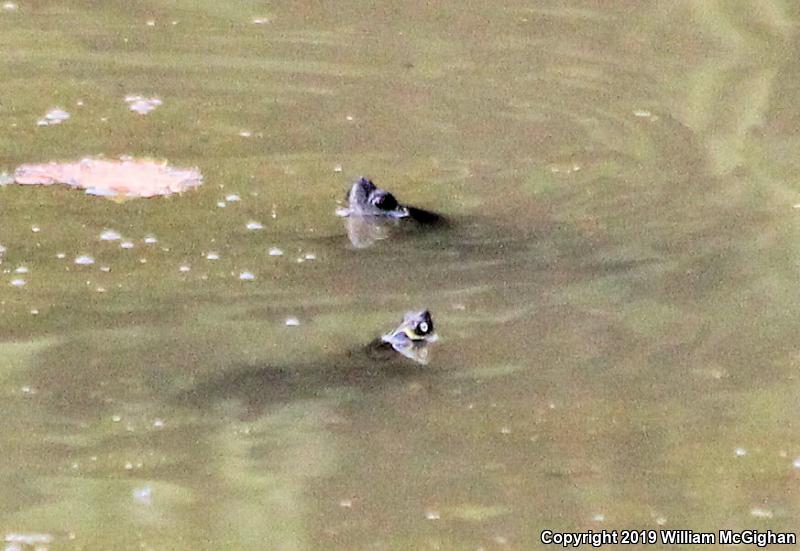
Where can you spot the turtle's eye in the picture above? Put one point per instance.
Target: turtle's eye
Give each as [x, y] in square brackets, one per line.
[423, 327]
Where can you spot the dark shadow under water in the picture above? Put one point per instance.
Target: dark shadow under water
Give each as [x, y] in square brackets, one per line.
[257, 388]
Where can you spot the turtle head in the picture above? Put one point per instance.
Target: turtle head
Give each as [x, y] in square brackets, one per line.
[365, 198]
[412, 337]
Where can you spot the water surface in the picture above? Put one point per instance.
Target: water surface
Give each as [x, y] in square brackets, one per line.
[615, 293]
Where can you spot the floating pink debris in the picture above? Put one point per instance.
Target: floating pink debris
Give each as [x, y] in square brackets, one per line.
[142, 105]
[127, 177]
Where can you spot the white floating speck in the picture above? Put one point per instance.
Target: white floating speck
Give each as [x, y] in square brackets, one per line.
[275, 251]
[260, 20]
[2, 249]
[79, 103]
[116, 418]
[222, 204]
[142, 105]
[349, 117]
[642, 113]
[150, 23]
[661, 521]
[232, 198]
[740, 452]
[29, 539]
[61, 256]
[253, 225]
[21, 270]
[505, 430]
[598, 517]
[432, 515]
[245, 134]
[54, 116]
[346, 503]
[310, 256]
[292, 322]
[337, 168]
[36, 229]
[84, 260]
[105, 269]
[212, 256]
[158, 423]
[565, 169]
[10, 6]
[126, 245]
[184, 268]
[6, 178]
[128, 466]
[143, 495]
[110, 235]
[35, 312]
[796, 463]
[101, 289]
[247, 276]
[150, 240]
[758, 512]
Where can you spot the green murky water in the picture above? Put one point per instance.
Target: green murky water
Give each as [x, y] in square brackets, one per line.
[616, 295]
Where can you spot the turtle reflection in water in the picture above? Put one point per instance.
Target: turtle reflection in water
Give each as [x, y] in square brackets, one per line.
[371, 213]
[385, 359]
